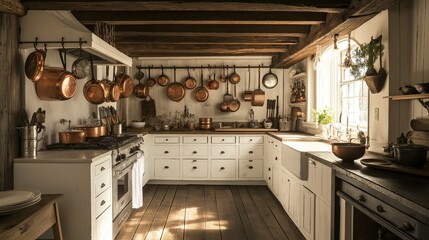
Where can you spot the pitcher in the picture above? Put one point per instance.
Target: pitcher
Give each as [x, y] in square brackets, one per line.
[29, 140]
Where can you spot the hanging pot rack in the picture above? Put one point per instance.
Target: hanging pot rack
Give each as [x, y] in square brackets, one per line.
[199, 67]
[45, 43]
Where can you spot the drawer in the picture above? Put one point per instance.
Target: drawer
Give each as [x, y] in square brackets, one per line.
[195, 139]
[103, 225]
[103, 167]
[277, 145]
[102, 202]
[250, 168]
[223, 151]
[223, 168]
[166, 151]
[167, 168]
[102, 182]
[167, 139]
[251, 151]
[195, 151]
[195, 168]
[224, 139]
[251, 139]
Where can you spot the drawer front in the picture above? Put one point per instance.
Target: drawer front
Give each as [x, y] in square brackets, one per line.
[167, 139]
[223, 151]
[103, 167]
[195, 139]
[103, 225]
[166, 151]
[224, 139]
[252, 139]
[250, 169]
[195, 150]
[102, 202]
[223, 169]
[102, 183]
[277, 145]
[195, 168]
[251, 151]
[167, 168]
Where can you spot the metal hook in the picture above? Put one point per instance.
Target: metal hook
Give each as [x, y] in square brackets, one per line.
[35, 44]
[45, 45]
[62, 43]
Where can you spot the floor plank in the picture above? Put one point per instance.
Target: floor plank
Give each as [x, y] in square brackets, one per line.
[188, 212]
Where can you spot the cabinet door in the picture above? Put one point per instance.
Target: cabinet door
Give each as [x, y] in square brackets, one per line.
[195, 168]
[322, 220]
[251, 151]
[103, 225]
[284, 190]
[250, 169]
[223, 151]
[268, 175]
[295, 201]
[308, 214]
[223, 169]
[324, 178]
[167, 168]
[276, 180]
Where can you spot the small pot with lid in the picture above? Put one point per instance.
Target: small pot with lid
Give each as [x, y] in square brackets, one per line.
[413, 155]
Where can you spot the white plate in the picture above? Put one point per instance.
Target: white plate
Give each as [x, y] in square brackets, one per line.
[16, 197]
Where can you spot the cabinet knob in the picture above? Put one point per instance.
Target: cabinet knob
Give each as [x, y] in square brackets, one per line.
[194, 160]
[250, 160]
[362, 199]
[250, 140]
[166, 167]
[166, 152]
[275, 158]
[406, 227]
[250, 152]
[195, 139]
[380, 208]
[222, 168]
[269, 169]
[250, 167]
[269, 178]
[166, 139]
[222, 152]
[194, 167]
[102, 203]
[103, 185]
[194, 152]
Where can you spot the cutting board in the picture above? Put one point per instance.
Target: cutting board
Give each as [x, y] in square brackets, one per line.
[392, 166]
[148, 108]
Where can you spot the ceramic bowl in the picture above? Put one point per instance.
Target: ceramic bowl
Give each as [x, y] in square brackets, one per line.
[137, 124]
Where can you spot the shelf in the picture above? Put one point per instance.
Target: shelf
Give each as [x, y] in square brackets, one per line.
[298, 104]
[408, 97]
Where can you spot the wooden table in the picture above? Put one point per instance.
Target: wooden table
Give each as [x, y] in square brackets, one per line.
[33, 221]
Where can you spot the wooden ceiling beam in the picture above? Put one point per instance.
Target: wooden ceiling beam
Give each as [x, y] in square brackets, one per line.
[222, 40]
[332, 6]
[199, 48]
[360, 11]
[191, 54]
[198, 17]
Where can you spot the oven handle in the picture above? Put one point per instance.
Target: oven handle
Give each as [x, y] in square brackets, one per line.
[123, 171]
[374, 216]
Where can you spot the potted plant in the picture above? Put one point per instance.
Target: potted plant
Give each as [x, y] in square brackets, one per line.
[364, 58]
[323, 119]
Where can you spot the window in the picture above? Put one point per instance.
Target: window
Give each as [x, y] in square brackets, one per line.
[336, 88]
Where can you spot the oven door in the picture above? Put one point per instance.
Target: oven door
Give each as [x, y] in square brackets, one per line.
[122, 184]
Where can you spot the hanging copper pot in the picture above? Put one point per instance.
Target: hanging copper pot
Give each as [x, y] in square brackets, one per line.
[141, 90]
[234, 78]
[223, 77]
[201, 93]
[175, 91]
[247, 95]
[258, 96]
[234, 104]
[55, 84]
[94, 91]
[190, 82]
[125, 83]
[163, 80]
[150, 81]
[34, 65]
[113, 89]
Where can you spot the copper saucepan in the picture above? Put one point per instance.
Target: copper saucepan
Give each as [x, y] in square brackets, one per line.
[175, 91]
[234, 78]
[223, 77]
[72, 136]
[201, 93]
[150, 81]
[212, 84]
[141, 90]
[125, 83]
[163, 80]
[190, 82]
[234, 104]
[94, 91]
[34, 65]
[55, 84]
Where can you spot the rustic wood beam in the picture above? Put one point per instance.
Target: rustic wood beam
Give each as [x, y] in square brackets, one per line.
[221, 40]
[192, 54]
[333, 6]
[213, 30]
[132, 52]
[13, 7]
[360, 11]
[200, 48]
[198, 17]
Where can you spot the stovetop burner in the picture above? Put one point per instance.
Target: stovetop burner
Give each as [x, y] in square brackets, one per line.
[106, 142]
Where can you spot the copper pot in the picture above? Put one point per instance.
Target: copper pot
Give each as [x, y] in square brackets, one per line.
[126, 84]
[72, 137]
[150, 81]
[258, 96]
[34, 65]
[223, 77]
[141, 90]
[234, 104]
[163, 80]
[90, 131]
[95, 91]
[201, 93]
[234, 78]
[55, 84]
[103, 130]
[190, 82]
[212, 84]
[113, 89]
[175, 91]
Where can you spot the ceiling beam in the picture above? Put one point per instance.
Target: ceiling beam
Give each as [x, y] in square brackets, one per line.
[359, 12]
[221, 40]
[198, 17]
[333, 6]
[138, 54]
[198, 47]
[213, 30]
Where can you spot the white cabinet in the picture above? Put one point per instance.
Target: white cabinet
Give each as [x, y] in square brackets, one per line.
[223, 169]
[308, 213]
[85, 208]
[322, 220]
[195, 168]
[223, 150]
[167, 168]
[284, 190]
[250, 169]
[191, 150]
[167, 151]
[272, 156]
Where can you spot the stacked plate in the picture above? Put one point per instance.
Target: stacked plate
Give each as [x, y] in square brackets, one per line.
[14, 200]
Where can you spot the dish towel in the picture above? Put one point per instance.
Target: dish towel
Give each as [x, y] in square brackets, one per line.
[137, 191]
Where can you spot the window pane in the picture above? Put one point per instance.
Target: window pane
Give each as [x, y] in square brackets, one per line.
[344, 92]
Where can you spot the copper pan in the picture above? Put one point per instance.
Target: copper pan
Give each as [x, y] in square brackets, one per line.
[258, 96]
[201, 93]
[234, 104]
[234, 78]
[113, 89]
[125, 83]
[163, 80]
[141, 90]
[223, 77]
[212, 84]
[94, 91]
[150, 81]
[190, 82]
[90, 131]
[175, 91]
[247, 95]
[72, 137]
[34, 65]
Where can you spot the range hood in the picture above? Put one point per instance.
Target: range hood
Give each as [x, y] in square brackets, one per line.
[53, 26]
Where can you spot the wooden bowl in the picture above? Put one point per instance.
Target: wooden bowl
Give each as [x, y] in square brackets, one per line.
[348, 151]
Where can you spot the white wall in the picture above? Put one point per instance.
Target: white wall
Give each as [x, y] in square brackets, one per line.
[209, 108]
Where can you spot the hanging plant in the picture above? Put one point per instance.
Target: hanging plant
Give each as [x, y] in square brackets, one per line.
[364, 58]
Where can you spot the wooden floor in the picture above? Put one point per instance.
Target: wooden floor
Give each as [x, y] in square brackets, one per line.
[209, 212]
